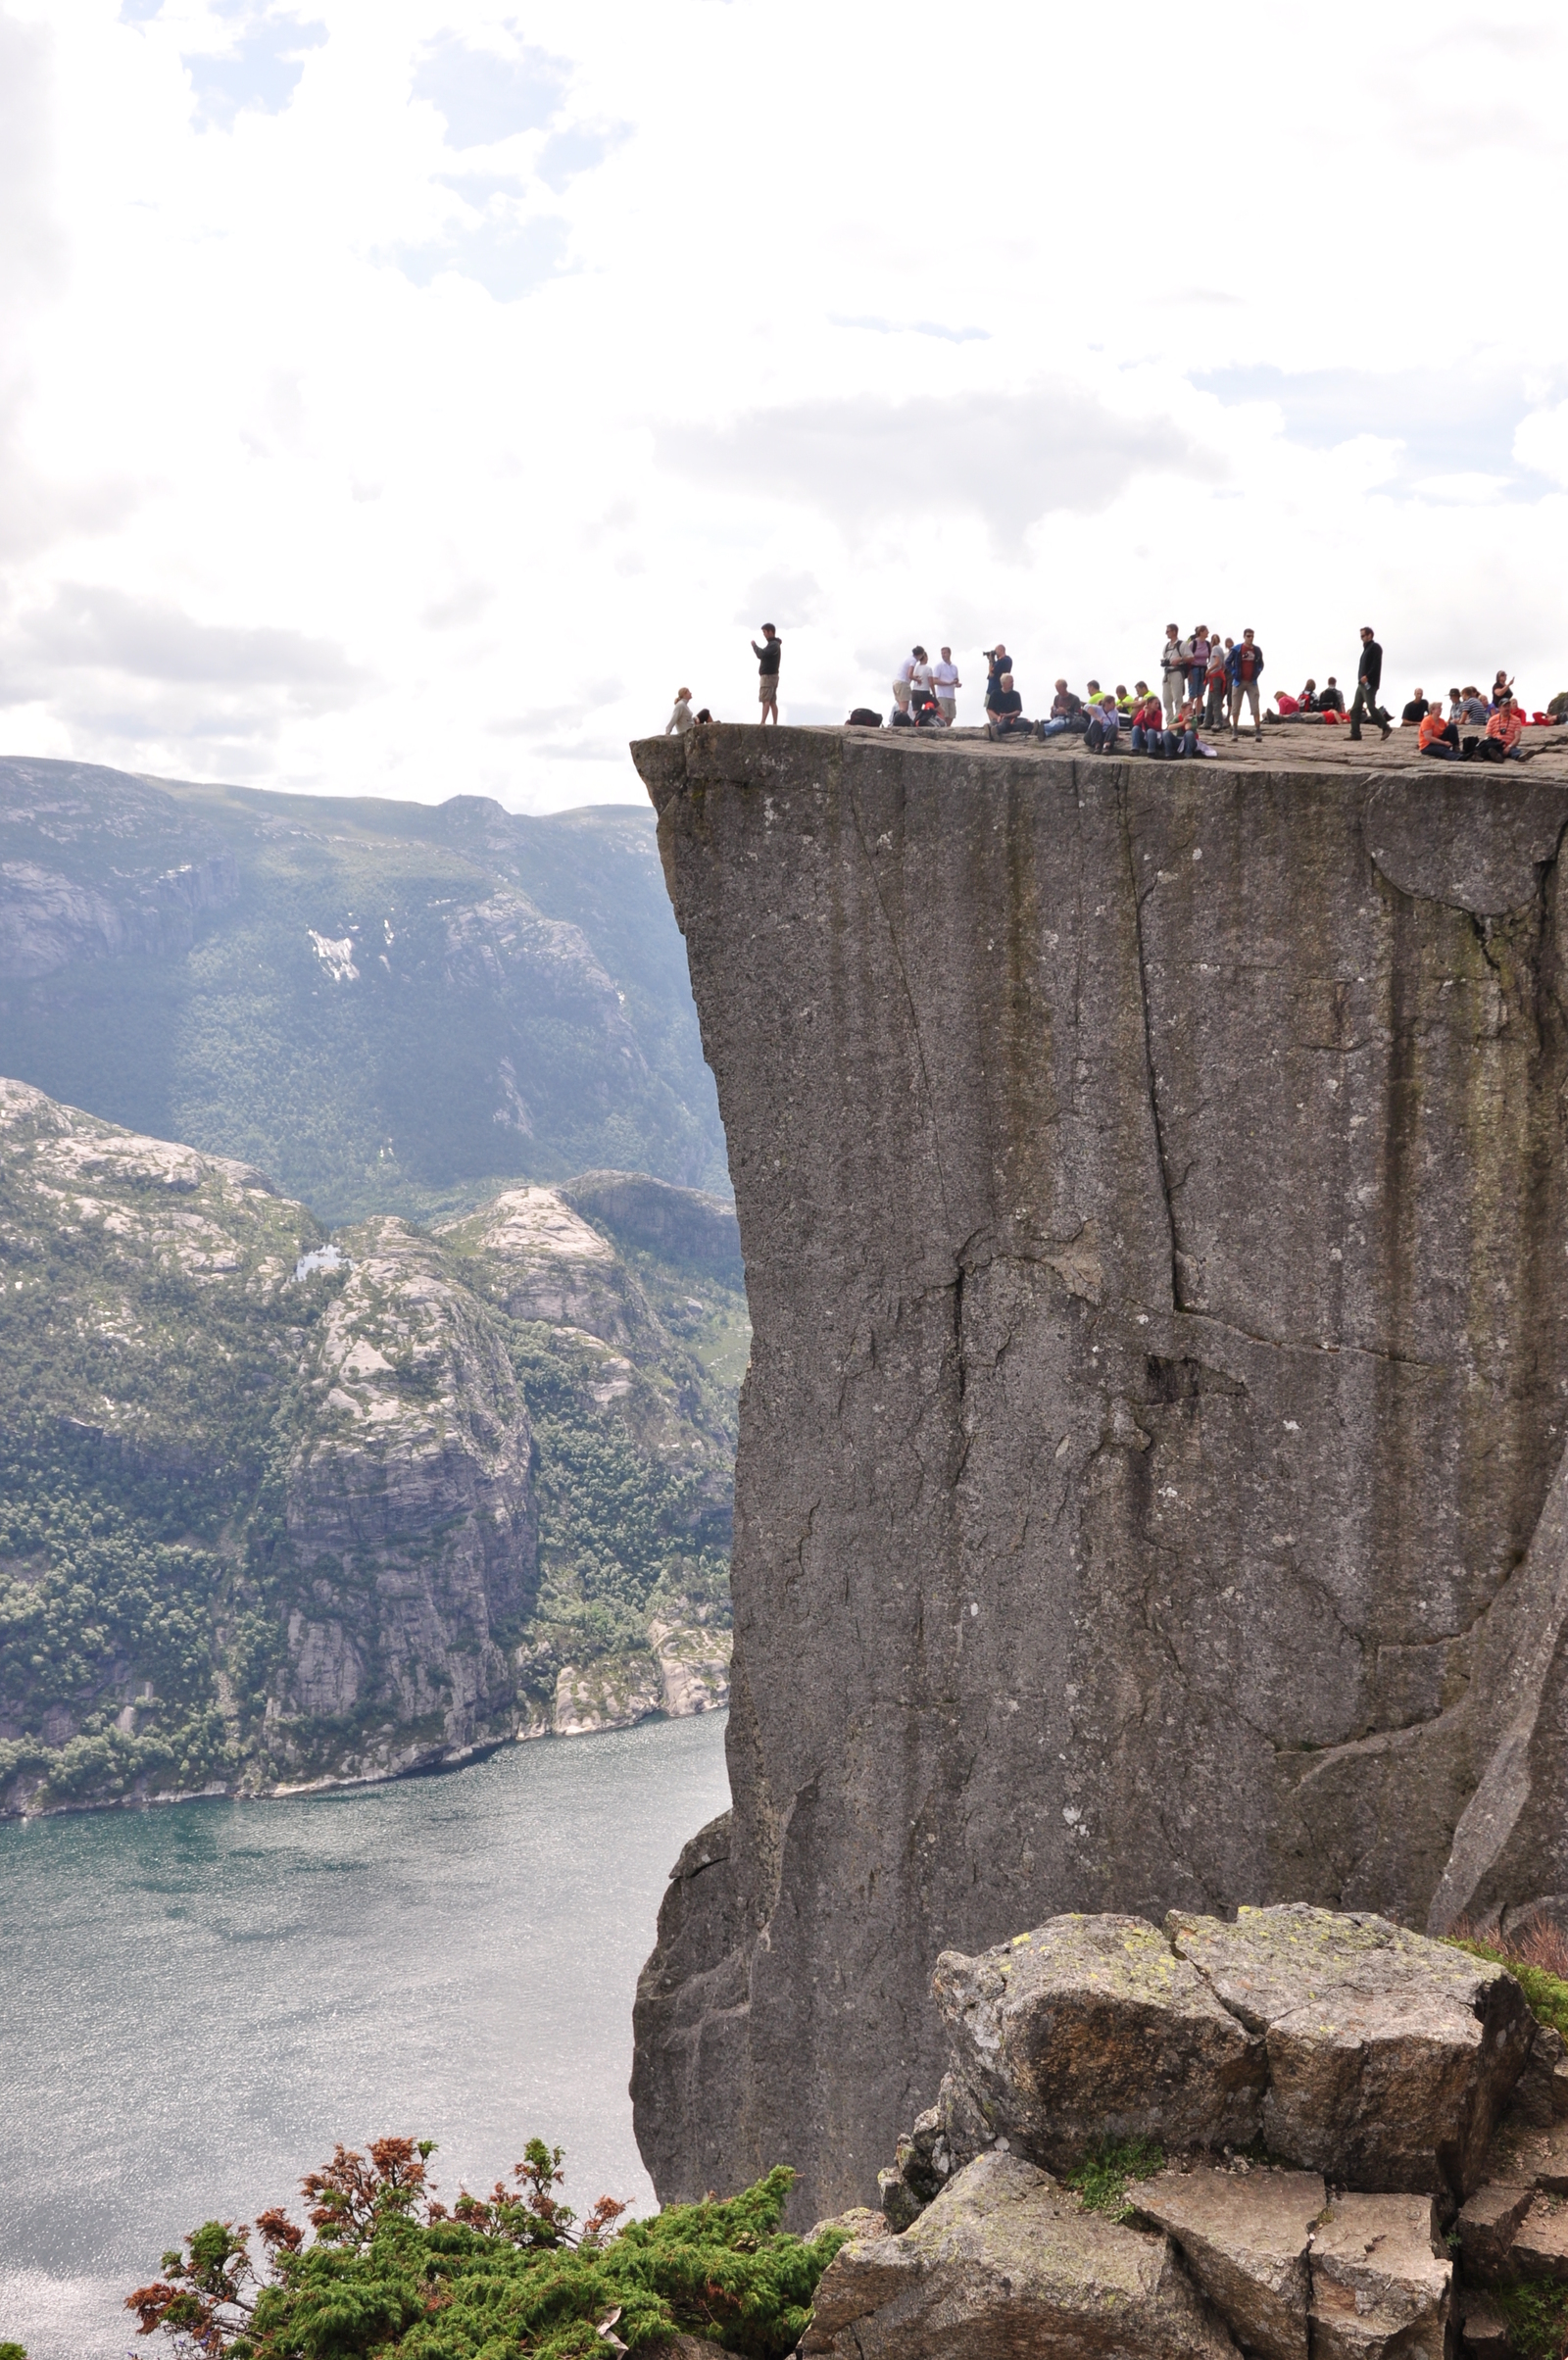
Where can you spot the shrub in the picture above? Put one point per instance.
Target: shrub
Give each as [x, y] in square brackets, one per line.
[1101, 2177]
[391, 2272]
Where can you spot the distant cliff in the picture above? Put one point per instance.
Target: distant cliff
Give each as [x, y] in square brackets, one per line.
[387, 1007]
[275, 1512]
[1149, 1488]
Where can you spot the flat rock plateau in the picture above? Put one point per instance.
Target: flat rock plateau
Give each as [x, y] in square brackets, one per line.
[1150, 1490]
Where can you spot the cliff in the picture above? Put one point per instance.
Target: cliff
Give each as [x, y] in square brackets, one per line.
[1148, 1492]
[389, 1007]
[275, 1512]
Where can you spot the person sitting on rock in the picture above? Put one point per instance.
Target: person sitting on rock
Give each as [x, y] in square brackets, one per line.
[1438, 737]
[1007, 711]
[1504, 733]
[1414, 713]
[682, 718]
[1474, 710]
[1064, 715]
[1101, 735]
[1148, 720]
[1332, 698]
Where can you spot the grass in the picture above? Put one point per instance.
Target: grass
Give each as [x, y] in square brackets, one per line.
[1100, 2179]
[1539, 1963]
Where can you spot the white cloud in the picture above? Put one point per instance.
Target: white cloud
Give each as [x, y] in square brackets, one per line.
[411, 398]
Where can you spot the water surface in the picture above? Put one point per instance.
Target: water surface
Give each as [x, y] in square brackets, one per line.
[196, 2004]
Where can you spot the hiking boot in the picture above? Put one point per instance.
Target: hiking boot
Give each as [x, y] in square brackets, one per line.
[1386, 729]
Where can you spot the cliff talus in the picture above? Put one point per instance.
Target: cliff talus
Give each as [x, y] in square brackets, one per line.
[1150, 1186]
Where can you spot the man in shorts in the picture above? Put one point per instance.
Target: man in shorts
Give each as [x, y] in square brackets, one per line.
[767, 663]
[945, 680]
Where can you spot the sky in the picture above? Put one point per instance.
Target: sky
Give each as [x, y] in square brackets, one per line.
[406, 397]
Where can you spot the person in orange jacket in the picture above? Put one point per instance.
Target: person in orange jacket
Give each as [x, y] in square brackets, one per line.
[1505, 729]
[1437, 736]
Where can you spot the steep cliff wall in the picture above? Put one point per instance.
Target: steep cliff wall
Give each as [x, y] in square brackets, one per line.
[1150, 1186]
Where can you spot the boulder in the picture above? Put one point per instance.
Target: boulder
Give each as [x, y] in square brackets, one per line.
[1540, 2093]
[1091, 2029]
[1487, 2226]
[1483, 2329]
[1246, 2240]
[1391, 2057]
[1540, 2247]
[1007, 2264]
[1378, 2288]
[1522, 2151]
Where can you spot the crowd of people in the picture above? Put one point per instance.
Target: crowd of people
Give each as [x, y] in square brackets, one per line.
[1205, 684]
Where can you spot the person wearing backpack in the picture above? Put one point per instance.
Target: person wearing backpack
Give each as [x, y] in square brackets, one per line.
[1172, 670]
[1214, 682]
[1245, 667]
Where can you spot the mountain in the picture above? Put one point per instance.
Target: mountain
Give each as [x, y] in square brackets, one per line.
[387, 1007]
[276, 1511]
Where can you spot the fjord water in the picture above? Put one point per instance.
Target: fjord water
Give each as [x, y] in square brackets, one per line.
[197, 2003]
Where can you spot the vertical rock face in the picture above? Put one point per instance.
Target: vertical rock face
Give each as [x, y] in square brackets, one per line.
[1148, 1495]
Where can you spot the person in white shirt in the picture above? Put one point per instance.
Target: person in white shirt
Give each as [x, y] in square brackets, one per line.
[904, 677]
[682, 718]
[945, 684]
[923, 674]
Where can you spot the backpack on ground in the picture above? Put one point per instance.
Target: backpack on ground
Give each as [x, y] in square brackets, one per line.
[862, 718]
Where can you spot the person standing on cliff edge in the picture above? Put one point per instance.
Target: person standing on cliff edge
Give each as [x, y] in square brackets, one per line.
[1369, 673]
[767, 663]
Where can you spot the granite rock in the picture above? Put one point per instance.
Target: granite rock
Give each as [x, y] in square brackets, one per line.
[1530, 2153]
[1378, 2287]
[1245, 2241]
[1153, 1183]
[1391, 2057]
[1483, 2329]
[1487, 2226]
[1006, 2263]
[1092, 2028]
[1540, 2248]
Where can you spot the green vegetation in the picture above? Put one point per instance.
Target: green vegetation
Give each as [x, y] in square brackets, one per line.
[178, 1419]
[519, 1005]
[393, 2272]
[1100, 2179]
[1537, 2318]
[1546, 1993]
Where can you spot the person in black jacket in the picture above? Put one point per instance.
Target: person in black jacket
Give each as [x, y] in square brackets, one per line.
[1369, 673]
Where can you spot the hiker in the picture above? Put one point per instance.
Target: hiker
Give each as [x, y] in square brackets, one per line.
[1214, 682]
[1474, 710]
[1437, 736]
[1364, 705]
[923, 676]
[945, 676]
[1332, 698]
[1197, 648]
[768, 660]
[1415, 712]
[1172, 668]
[1064, 713]
[1245, 667]
[1501, 687]
[997, 662]
[1101, 735]
[682, 718]
[1457, 705]
[903, 681]
[1007, 711]
[1504, 733]
[1147, 719]
[1289, 709]
[1307, 701]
